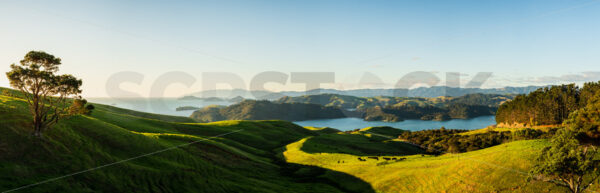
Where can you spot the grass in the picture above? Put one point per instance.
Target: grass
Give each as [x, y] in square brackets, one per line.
[244, 161]
[502, 168]
[502, 129]
[361, 143]
[261, 156]
[323, 130]
[388, 132]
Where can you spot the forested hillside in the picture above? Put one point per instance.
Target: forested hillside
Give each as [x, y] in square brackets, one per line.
[266, 110]
[385, 108]
[546, 106]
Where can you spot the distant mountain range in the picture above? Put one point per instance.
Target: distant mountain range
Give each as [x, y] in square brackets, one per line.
[435, 91]
[236, 99]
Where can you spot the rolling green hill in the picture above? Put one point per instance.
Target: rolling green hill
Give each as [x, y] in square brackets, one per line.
[118, 150]
[501, 168]
[358, 143]
[116, 140]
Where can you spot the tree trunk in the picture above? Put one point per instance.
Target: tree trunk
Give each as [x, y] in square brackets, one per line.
[575, 188]
[37, 128]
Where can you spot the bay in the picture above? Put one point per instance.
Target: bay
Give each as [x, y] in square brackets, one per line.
[346, 124]
[166, 106]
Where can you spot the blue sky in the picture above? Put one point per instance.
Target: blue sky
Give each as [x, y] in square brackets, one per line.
[520, 42]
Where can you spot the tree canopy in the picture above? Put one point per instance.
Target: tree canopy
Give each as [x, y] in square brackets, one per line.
[572, 159]
[546, 106]
[45, 91]
[586, 121]
[568, 164]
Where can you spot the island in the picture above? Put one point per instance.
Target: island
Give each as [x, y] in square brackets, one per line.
[383, 108]
[186, 108]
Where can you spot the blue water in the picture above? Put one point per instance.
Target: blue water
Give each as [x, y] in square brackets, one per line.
[346, 124]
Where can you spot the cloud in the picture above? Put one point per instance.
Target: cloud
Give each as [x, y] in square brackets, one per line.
[568, 78]
[503, 80]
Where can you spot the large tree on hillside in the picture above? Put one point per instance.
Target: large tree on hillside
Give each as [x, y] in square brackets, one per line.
[45, 91]
[573, 158]
[568, 164]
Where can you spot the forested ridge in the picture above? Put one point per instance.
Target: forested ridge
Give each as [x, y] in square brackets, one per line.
[546, 106]
[440, 141]
[266, 110]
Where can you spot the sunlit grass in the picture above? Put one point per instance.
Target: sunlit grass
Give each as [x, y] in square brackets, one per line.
[503, 129]
[496, 169]
[239, 162]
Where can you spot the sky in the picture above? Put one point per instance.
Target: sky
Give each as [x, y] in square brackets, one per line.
[164, 48]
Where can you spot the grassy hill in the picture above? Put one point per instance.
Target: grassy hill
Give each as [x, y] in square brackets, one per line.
[120, 150]
[242, 161]
[501, 168]
[357, 144]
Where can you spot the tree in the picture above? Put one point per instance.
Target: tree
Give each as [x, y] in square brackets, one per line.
[78, 106]
[6, 93]
[545, 106]
[566, 163]
[89, 108]
[46, 92]
[586, 121]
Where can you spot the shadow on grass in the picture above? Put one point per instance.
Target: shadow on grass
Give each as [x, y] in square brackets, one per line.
[359, 145]
[313, 174]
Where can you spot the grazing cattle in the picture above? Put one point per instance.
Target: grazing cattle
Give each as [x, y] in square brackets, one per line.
[362, 160]
[387, 158]
[394, 158]
[403, 158]
[373, 157]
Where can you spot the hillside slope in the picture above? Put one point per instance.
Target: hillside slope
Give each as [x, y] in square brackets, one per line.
[502, 168]
[118, 150]
[125, 151]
